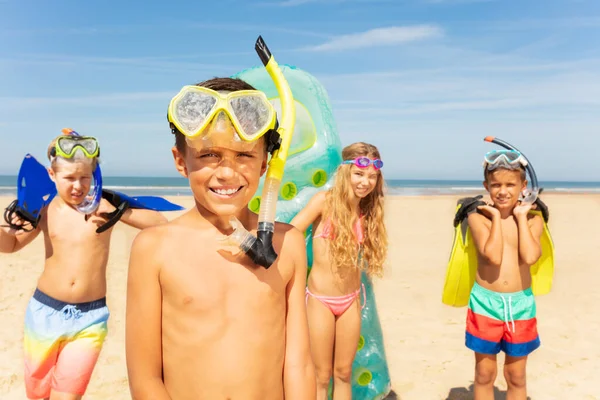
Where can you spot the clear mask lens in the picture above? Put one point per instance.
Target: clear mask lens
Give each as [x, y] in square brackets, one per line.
[252, 113]
[192, 111]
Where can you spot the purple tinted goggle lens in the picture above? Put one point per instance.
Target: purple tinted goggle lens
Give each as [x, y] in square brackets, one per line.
[364, 162]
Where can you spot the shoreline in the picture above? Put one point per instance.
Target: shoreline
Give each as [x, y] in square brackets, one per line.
[390, 192]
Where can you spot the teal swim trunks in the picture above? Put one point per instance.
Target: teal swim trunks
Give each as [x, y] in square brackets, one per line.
[502, 321]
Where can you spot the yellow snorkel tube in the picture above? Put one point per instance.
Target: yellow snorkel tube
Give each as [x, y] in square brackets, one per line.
[260, 248]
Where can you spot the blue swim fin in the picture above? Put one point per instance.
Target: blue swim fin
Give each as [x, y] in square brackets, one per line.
[145, 202]
[122, 202]
[35, 190]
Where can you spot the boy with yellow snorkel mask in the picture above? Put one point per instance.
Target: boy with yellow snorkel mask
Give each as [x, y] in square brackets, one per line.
[66, 319]
[204, 320]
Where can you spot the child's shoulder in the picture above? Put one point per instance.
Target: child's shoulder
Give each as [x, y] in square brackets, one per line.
[477, 218]
[157, 236]
[320, 197]
[289, 234]
[283, 228]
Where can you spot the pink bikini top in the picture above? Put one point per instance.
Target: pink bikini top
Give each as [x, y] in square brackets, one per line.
[327, 232]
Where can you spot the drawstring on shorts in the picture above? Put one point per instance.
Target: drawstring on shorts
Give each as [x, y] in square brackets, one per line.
[70, 311]
[508, 313]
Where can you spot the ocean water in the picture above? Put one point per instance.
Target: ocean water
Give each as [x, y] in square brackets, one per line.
[161, 186]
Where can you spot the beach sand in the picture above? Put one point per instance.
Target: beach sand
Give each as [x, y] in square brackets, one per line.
[424, 339]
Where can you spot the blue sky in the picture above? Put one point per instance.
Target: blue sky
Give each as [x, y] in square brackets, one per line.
[424, 80]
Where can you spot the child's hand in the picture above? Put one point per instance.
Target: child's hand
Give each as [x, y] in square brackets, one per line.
[522, 209]
[25, 225]
[489, 211]
[104, 209]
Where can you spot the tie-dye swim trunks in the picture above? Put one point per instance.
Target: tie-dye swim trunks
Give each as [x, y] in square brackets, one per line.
[502, 321]
[62, 343]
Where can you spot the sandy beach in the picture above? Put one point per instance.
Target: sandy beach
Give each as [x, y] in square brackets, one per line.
[424, 339]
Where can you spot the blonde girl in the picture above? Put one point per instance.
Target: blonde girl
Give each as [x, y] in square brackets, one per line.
[349, 237]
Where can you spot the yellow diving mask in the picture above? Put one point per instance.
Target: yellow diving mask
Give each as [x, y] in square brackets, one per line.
[193, 109]
[67, 145]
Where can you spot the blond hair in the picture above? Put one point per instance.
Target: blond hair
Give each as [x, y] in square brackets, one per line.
[338, 208]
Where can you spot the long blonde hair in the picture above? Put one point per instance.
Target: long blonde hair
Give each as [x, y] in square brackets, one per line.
[338, 208]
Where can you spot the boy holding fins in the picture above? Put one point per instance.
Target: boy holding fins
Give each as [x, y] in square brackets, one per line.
[66, 319]
[502, 311]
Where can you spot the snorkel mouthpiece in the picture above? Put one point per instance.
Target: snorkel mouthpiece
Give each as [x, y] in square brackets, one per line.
[531, 196]
[260, 248]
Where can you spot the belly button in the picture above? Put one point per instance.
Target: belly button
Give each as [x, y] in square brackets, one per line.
[187, 299]
[505, 283]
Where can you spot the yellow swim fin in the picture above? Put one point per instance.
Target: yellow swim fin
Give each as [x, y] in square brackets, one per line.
[462, 265]
[542, 271]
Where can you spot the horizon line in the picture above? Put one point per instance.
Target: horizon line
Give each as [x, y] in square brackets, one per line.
[387, 179]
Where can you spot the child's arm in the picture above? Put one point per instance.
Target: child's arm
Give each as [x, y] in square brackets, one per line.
[143, 343]
[487, 234]
[530, 232]
[13, 240]
[298, 371]
[138, 218]
[310, 213]
[142, 219]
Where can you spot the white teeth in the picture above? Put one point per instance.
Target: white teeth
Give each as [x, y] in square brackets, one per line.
[225, 191]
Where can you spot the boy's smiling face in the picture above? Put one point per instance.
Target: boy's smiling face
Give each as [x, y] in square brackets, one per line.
[504, 187]
[223, 176]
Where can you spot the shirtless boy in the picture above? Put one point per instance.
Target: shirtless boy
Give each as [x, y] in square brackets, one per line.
[204, 321]
[502, 311]
[66, 320]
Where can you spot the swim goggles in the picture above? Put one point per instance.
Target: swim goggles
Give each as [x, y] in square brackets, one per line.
[510, 159]
[67, 145]
[250, 112]
[364, 162]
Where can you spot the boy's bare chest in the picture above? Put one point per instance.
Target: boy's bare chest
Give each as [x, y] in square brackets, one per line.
[209, 282]
[75, 230]
[510, 234]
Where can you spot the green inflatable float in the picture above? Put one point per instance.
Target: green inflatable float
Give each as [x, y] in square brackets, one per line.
[314, 155]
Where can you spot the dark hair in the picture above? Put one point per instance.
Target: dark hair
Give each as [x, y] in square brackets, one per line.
[487, 173]
[218, 84]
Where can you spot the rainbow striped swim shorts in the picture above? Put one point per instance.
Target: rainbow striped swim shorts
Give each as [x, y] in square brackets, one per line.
[62, 343]
[501, 321]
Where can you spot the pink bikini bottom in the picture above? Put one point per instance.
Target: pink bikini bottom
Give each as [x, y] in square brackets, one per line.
[339, 304]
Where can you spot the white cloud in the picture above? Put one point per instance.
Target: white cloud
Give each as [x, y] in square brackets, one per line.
[379, 37]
